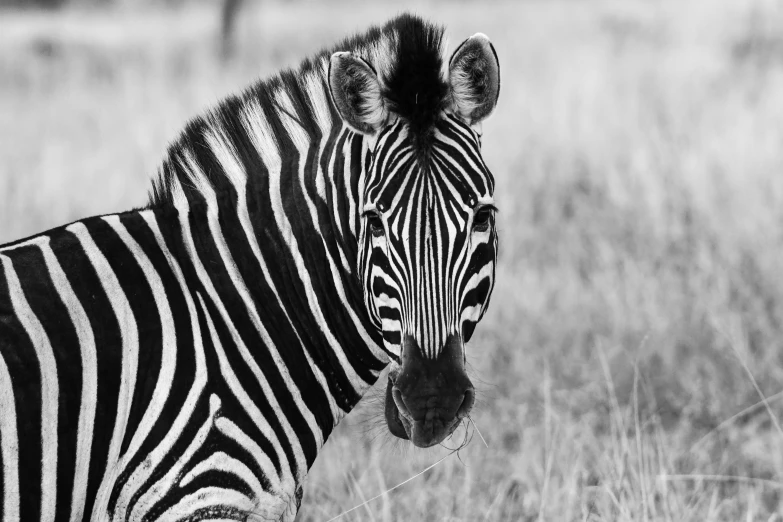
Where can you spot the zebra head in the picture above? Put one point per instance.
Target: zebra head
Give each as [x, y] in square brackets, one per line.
[427, 241]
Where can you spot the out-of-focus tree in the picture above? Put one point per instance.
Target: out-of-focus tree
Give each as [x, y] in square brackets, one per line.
[228, 17]
[33, 4]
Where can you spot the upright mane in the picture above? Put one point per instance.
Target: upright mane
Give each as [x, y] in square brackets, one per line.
[407, 55]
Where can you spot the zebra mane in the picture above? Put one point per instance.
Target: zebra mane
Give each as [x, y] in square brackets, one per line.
[407, 55]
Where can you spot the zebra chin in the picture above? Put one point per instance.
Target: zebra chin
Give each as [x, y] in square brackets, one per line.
[426, 399]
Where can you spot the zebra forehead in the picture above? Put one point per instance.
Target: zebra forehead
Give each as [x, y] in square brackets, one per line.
[447, 179]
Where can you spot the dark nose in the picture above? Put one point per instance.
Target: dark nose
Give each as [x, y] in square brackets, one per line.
[432, 395]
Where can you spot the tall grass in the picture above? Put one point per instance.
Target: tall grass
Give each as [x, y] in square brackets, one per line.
[637, 325]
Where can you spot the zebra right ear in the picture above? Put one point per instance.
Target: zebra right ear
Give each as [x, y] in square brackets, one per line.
[356, 92]
[474, 78]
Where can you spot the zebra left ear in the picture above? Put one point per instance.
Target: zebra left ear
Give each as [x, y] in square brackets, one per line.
[356, 92]
[474, 79]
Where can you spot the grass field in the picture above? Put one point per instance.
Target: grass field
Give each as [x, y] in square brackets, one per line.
[637, 321]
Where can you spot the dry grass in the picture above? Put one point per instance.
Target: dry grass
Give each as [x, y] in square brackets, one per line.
[638, 319]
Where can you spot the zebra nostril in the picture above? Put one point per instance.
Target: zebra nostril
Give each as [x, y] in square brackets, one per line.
[467, 404]
[403, 409]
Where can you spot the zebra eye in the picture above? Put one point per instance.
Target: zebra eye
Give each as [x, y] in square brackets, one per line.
[482, 219]
[375, 223]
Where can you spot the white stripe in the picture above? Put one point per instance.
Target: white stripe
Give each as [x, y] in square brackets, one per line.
[300, 140]
[433, 282]
[286, 478]
[33, 241]
[397, 153]
[315, 92]
[338, 192]
[347, 172]
[231, 430]
[261, 134]
[187, 237]
[89, 391]
[448, 161]
[473, 313]
[143, 472]
[314, 85]
[159, 490]
[220, 461]
[168, 337]
[168, 353]
[228, 160]
[130, 352]
[214, 496]
[49, 390]
[9, 446]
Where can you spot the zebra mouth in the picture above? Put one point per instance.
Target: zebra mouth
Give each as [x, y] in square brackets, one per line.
[423, 433]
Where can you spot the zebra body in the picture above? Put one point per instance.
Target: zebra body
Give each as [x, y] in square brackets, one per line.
[188, 360]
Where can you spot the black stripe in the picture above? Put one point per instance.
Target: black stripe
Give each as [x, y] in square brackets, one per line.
[184, 369]
[50, 310]
[310, 241]
[217, 442]
[394, 338]
[274, 321]
[210, 257]
[448, 178]
[403, 165]
[481, 179]
[20, 357]
[288, 281]
[88, 289]
[379, 287]
[338, 198]
[483, 254]
[200, 415]
[230, 407]
[337, 316]
[142, 304]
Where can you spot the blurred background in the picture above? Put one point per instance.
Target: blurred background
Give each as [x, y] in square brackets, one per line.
[637, 322]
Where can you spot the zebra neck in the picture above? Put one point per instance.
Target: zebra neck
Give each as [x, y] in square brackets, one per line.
[185, 325]
[268, 196]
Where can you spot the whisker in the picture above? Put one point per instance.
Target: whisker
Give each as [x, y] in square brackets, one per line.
[459, 446]
[478, 431]
[393, 488]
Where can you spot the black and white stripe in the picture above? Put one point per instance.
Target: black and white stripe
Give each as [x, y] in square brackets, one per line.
[432, 271]
[189, 359]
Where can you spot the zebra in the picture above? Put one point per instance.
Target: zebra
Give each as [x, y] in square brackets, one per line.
[187, 360]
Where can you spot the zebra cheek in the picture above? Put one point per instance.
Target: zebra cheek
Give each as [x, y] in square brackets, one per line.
[468, 327]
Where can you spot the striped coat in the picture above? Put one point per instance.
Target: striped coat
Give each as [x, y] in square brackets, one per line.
[188, 360]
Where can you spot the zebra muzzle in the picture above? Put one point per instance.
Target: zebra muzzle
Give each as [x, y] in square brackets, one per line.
[428, 398]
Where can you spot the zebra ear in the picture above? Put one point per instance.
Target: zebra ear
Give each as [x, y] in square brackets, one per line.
[474, 79]
[356, 92]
